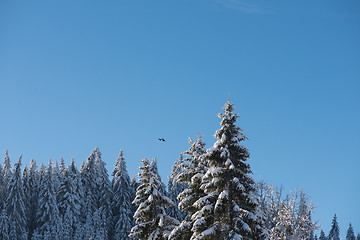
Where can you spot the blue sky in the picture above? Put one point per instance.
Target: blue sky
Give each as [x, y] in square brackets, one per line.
[121, 74]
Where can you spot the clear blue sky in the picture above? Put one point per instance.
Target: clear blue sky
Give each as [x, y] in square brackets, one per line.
[120, 74]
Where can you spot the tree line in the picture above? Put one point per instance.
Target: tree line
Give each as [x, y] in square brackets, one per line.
[210, 195]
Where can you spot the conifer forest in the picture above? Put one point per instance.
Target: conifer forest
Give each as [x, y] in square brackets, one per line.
[211, 194]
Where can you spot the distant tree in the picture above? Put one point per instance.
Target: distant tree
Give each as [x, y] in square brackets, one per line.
[334, 233]
[230, 208]
[48, 220]
[124, 194]
[15, 205]
[193, 169]
[358, 236]
[322, 235]
[152, 222]
[350, 233]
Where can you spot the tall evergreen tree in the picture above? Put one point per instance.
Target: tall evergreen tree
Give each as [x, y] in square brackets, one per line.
[48, 219]
[15, 205]
[122, 207]
[358, 236]
[69, 200]
[154, 169]
[4, 225]
[230, 208]
[175, 188]
[193, 169]
[31, 191]
[152, 222]
[5, 178]
[104, 196]
[350, 233]
[334, 233]
[322, 235]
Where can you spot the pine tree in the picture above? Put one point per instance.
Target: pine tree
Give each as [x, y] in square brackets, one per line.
[2, 189]
[322, 235]
[334, 233]
[193, 169]
[15, 205]
[230, 208]
[31, 190]
[5, 178]
[350, 233]
[122, 207]
[154, 169]
[69, 200]
[358, 236]
[48, 219]
[104, 197]
[152, 222]
[88, 182]
[175, 188]
[4, 225]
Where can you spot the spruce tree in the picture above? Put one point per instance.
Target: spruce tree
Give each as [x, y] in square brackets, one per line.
[69, 200]
[322, 235]
[48, 219]
[175, 188]
[350, 233]
[193, 169]
[152, 222]
[4, 225]
[122, 207]
[230, 208]
[6, 175]
[358, 236]
[15, 205]
[334, 233]
[104, 197]
[30, 186]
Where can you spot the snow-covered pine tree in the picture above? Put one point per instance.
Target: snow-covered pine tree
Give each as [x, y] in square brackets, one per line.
[15, 206]
[6, 175]
[124, 194]
[152, 222]
[175, 188]
[2, 189]
[334, 233]
[193, 169]
[230, 209]
[31, 191]
[48, 219]
[154, 169]
[69, 200]
[57, 175]
[4, 225]
[322, 235]
[88, 173]
[104, 196]
[350, 233]
[7, 167]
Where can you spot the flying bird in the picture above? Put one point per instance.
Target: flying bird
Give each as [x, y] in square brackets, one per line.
[161, 139]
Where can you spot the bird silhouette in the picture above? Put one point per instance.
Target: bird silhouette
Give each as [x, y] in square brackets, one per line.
[161, 139]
